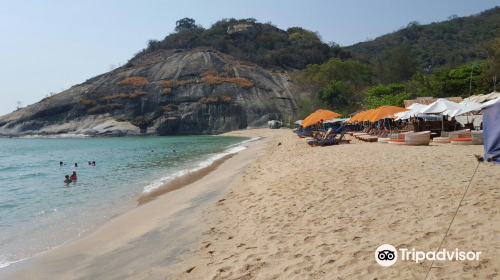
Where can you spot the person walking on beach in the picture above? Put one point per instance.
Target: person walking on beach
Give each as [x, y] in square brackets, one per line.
[73, 176]
[67, 180]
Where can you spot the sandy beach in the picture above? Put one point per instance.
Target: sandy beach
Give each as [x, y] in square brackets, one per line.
[320, 213]
[289, 211]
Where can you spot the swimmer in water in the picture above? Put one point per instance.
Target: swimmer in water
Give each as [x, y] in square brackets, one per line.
[73, 176]
[175, 151]
[61, 163]
[67, 180]
[76, 164]
[93, 163]
[90, 163]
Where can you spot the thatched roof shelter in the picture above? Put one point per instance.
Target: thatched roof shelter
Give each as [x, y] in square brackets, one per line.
[430, 100]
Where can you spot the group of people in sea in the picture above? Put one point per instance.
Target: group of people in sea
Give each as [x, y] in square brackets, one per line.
[73, 177]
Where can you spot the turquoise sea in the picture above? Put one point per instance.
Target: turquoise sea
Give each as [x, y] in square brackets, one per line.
[39, 212]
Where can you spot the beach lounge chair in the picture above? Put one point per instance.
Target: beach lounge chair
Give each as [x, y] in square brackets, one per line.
[330, 134]
[441, 140]
[306, 132]
[412, 138]
[334, 141]
[477, 137]
[461, 138]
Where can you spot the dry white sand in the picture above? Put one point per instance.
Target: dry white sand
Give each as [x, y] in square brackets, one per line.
[320, 213]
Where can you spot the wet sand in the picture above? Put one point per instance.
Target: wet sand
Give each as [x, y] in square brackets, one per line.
[145, 242]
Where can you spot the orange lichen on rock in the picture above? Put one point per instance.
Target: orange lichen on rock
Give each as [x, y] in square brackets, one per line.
[135, 81]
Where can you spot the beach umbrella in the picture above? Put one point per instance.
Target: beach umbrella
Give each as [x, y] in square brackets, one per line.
[318, 117]
[383, 112]
[358, 117]
[491, 132]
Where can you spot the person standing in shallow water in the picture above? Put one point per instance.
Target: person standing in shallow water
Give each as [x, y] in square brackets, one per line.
[67, 180]
[73, 176]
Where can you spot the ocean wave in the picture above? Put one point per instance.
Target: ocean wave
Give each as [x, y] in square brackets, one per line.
[2, 265]
[200, 165]
[253, 139]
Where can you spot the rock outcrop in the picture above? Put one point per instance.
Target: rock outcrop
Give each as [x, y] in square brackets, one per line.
[179, 92]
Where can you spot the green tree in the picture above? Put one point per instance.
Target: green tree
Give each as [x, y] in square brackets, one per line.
[380, 95]
[349, 71]
[451, 82]
[396, 66]
[307, 106]
[335, 96]
[185, 24]
[304, 38]
[492, 66]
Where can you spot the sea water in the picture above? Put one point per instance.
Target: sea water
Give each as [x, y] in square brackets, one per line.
[39, 212]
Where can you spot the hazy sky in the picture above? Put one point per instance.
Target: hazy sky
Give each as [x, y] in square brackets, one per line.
[47, 46]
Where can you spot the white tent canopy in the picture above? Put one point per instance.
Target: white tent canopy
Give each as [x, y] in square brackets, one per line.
[470, 106]
[338, 120]
[483, 97]
[445, 108]
[441, 106]
[414, 111]
[489, 103]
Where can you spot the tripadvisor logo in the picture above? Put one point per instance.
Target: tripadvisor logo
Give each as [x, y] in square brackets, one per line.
[387, 255]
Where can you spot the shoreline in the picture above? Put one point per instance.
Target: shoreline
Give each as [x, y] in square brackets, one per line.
[18, 269]
[283, 210]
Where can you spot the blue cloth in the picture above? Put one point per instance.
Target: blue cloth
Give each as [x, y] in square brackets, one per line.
[491, 131]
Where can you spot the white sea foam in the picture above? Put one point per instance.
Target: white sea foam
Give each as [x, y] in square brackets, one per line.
[2, 265]
[199, 166]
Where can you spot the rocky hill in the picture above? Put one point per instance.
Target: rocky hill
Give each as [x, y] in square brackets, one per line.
[164, 92]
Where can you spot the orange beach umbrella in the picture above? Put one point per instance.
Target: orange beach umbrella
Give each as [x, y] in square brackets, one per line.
[360, 116]
[318, 116]
[383, 112]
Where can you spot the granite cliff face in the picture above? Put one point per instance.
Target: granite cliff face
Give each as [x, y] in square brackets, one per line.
[173, 92]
